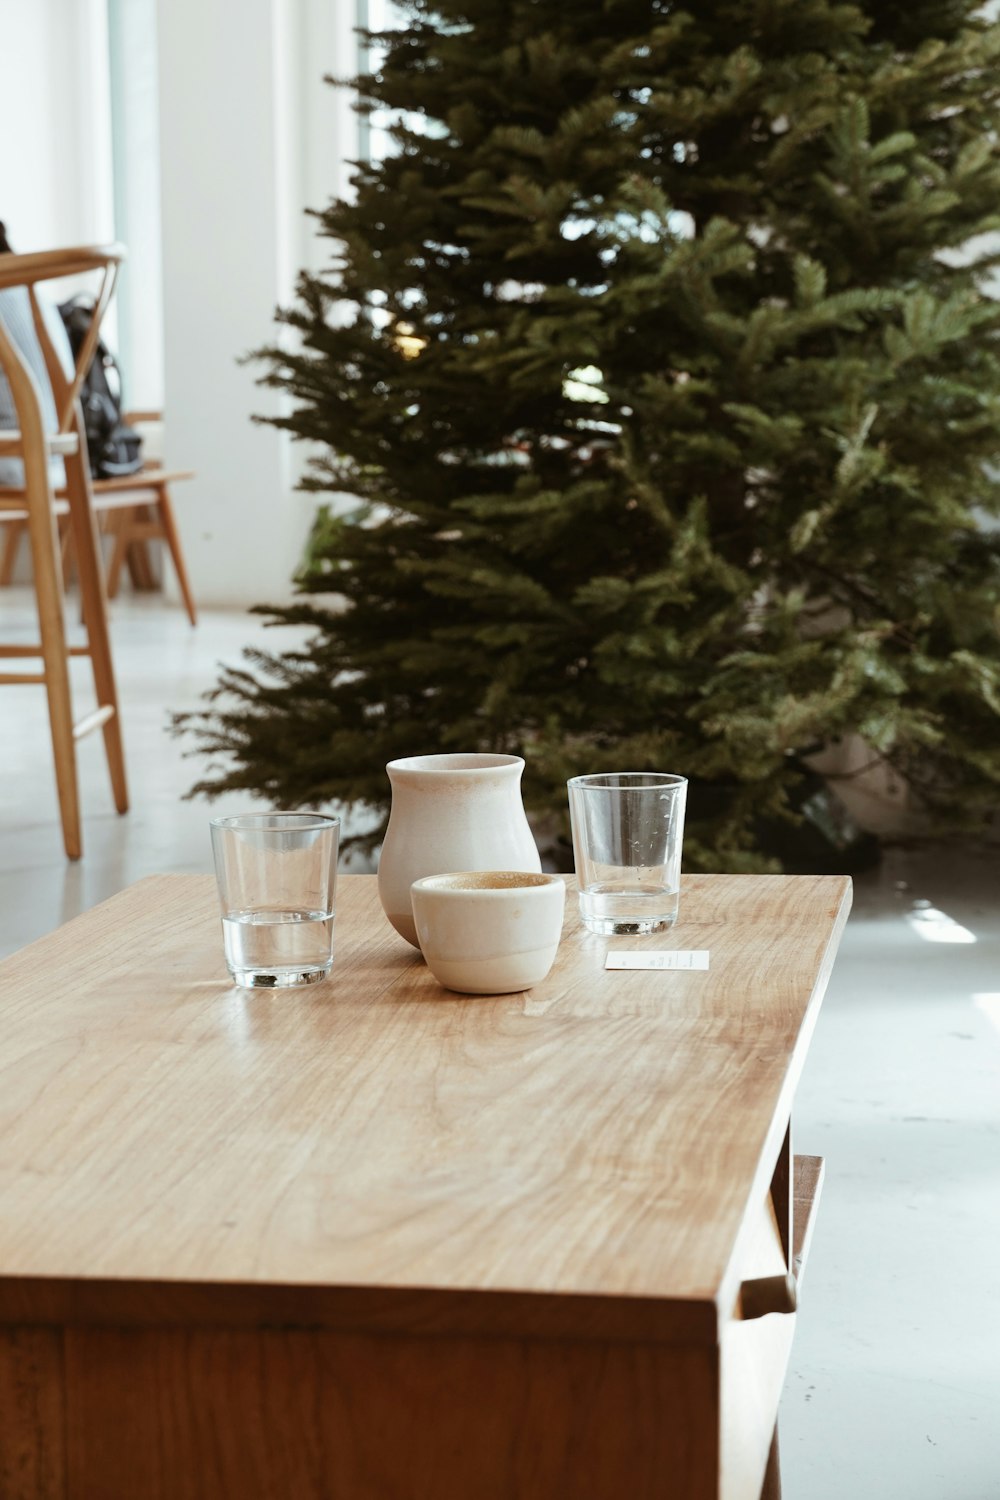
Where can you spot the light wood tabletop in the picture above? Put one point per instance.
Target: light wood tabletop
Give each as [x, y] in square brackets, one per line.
[602, 1133]
[585, 1160]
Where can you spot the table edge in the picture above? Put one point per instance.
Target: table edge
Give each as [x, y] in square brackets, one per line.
[420, 1312]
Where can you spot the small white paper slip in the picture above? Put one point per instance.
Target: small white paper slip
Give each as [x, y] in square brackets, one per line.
[658, 958]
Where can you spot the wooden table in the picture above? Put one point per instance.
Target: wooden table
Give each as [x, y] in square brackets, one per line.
[375, 1241]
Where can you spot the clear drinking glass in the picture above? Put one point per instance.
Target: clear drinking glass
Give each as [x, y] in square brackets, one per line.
[628, 827]
[277, 878]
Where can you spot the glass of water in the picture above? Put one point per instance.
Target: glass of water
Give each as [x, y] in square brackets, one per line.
[628, 827]
[277, 878]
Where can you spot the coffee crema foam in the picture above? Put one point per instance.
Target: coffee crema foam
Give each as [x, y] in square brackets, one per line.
[488, 880]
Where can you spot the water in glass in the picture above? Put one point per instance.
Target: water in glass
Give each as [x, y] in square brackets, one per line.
[272, 948]
[623, 906]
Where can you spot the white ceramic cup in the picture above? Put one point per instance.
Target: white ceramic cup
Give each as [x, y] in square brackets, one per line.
[489, 932]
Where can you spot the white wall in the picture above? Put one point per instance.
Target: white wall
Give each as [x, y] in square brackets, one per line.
[55, 170]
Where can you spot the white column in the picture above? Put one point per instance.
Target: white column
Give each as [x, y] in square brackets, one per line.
[238, 95]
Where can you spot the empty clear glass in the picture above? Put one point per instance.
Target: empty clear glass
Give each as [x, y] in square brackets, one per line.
[628, 828]
[277, 878]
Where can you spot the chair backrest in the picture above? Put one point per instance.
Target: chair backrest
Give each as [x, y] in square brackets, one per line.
[39, 378]
[18, 324]
[25, 272]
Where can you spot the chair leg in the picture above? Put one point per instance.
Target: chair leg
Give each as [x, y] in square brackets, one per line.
[140, 565]
[173, 541]
[93, 599]
[120, 530]
[772, 1474]
[47, 570]
[13, 532]
[66, 549]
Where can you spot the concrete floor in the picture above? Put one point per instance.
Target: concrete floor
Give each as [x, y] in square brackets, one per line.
[894, 1386]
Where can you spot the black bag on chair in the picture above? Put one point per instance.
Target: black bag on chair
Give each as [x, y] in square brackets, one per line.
[114, 447]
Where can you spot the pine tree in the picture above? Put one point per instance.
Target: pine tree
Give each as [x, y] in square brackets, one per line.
[660, 357]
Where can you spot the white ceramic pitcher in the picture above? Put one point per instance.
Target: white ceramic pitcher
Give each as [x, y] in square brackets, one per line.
[451, 813]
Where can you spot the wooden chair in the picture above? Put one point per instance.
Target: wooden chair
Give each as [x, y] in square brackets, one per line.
[35, 447]
[137, 508]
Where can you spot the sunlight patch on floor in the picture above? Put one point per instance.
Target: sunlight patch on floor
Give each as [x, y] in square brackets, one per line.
[936, 926]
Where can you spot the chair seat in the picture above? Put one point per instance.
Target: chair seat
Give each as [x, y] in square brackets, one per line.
[58, 444]
[135, 489]
[142, 488]
[13, 507]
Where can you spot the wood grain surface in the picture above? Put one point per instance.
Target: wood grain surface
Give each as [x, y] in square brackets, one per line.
[297, 1415]
[605, 1139]
[32, 1415]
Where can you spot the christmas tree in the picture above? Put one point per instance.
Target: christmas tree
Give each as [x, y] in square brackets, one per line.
[660, 357]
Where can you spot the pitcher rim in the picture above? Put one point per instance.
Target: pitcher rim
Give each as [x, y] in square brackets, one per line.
[452, 762]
